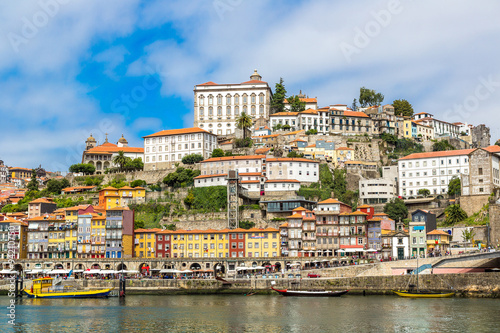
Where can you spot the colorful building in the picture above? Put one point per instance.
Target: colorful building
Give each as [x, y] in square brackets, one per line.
[163, 244]
[98, 236]
[438, 242]
[145, 243]
[110, 197]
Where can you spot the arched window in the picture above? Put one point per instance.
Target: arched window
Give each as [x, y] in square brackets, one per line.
[219, 111]
[236, 110]
[210, 100]
[261, 109]
[202, 100]
[253, 98]
[236, 99]
[219, 99]
[202, 112]
[245, 110]
[210, 111]
[253, 110]
[228, 110]
[261, 98]
[228, 99]
[245, 99]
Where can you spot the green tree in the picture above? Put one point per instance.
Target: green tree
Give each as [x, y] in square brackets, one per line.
[181, 177]
[312, 132]
[217, 152]
[354, 105]
[120, 159]
[296, 105]
[369, 97]
[189, 199]
[192, 159]
[33, 183]
[244, 122]
[135, 164]
[454, 214]
[454, 187]
[172, 227]
[246, 224]
[396, 209]
[138, 183]
[468, 235]
[442, 146]
[55, 186]
[86, 169]
[498, 142]
[243, 143]
[424, 192]
[339, 183]
[287, 127]
[278, 99]
[138, 224]
[294, 154]
[277, 127]
[228, 153]
[402, 108]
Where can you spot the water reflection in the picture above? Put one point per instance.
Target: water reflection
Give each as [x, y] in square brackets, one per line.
[256, 314]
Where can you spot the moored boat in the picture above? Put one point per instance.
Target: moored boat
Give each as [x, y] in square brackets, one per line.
[45, 288]
[310, 293]
[422, 294]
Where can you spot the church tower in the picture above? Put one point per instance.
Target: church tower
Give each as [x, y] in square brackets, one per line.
[90, 143]
[255, 76]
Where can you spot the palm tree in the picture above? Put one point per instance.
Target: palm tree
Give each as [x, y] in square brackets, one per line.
[243, 122]
[454, 214]
[120, 159]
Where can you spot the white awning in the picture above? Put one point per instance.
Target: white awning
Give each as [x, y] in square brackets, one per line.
[354, 250]
[58, 271]
[93, 271]
[35, 271]
[371, 250]
[325, 260]
[109, 271]
[8, 271]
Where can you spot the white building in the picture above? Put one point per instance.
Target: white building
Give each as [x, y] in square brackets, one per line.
[164, 148]
[258, 173]
[4, 173]
[432, 171]
[305, 120]
[310, 103]
[377, 191]
[217, 106]
[441, 128]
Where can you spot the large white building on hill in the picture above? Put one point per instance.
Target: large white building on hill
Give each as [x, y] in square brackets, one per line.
[165, 148]
[432, 171]
[217, 106]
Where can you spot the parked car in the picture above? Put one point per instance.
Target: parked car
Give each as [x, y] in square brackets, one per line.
[313, 275]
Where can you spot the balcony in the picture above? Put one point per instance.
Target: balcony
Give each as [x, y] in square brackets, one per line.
[327, 234]
[309, 248]
[309, 228]
[113, 226]
[308, 238]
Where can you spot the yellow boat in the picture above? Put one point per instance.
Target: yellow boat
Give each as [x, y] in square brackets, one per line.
[44, 288]
[422, 294]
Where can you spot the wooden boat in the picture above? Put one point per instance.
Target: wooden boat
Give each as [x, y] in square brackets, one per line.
[412, 293]
[44, 288]
[422, 294]
[310, 293]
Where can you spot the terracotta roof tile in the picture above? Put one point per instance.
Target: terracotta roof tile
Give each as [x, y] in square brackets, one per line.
[434, 154]
[234, 158]
[177, 131]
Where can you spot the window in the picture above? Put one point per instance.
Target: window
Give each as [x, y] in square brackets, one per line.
[480, 171]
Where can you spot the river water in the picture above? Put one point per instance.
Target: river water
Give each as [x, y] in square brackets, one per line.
[235, 313]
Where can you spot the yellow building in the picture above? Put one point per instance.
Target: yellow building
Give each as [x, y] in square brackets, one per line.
[342, 155]
[199, 243]
[262, 243]
[145, 242]
[110, 197]
[98, 236]
[57, 234]
[71, 233]
[407, 128]
[438, 242]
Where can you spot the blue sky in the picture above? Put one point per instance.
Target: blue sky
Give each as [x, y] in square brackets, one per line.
[69, 68]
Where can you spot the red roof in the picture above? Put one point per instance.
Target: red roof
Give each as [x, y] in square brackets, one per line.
[282, 181]
[177, 131]
[231, 158]
[355, 114]
[438, 154]
[209, 83]
[330, 201]
[290, 159]
[254, 82]
[493, 149]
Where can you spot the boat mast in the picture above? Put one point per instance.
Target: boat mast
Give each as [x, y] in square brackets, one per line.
[418, 254]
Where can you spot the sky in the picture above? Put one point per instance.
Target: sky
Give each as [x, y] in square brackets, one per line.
[69, 68]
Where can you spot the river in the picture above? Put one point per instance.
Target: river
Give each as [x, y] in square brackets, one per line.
[259, 313]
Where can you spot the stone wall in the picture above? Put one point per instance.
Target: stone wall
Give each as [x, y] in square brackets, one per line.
[481, 136]
[466, 285]
[473, 203]
[495, 225]
[218, 220]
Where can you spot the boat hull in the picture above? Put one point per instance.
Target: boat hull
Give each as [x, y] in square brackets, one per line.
[423, 294]
[73, 294]
[297, 293]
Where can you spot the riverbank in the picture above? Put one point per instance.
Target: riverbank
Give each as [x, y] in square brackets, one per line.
[465, 285]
